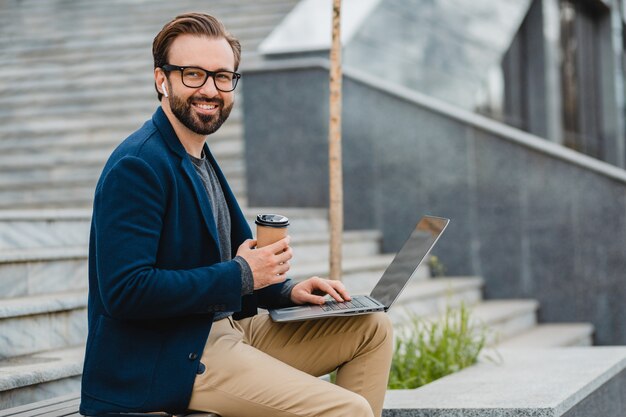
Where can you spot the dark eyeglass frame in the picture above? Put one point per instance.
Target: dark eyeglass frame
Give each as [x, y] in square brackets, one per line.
[212, 74]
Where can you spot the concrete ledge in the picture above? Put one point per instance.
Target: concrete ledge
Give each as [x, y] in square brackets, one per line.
[482, 123]
[539, 383]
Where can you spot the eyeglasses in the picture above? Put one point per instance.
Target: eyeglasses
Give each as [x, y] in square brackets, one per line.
[195, 77]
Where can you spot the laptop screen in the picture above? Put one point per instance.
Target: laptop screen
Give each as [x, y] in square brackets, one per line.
[410, 256]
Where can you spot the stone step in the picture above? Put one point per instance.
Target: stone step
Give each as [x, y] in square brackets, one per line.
[227, 140]
[506, 318]
[46, 270]
[57, 127]
[549, 335]
[86, 157]
[60, 97]
[140, 33]
[427, 297]
[89, 22]
[37, 228]
[98, 94]
[88, 47]
[42, 271]
[79, 196]
[59, 175]
[45, 321]
[42, 322]
[314, 246]
[134, 71]
[427, 293]
[560, 382]
[44, 228]
[88, 124]
[300, 219]
[43, 113]
[71, 196]
[354, 268]
[501, 319]
[120, 8]
[94, 50]
[43, 375]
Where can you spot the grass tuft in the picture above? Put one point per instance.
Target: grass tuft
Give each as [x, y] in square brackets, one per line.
[426, 351]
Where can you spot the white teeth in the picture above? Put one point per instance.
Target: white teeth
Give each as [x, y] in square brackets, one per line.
[207, 106]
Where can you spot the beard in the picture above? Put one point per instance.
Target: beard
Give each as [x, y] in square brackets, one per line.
[202, 124]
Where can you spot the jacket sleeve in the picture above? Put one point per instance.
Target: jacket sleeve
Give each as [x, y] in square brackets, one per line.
[129, 207]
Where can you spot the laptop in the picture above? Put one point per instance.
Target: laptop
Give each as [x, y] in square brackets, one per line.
[419, 244]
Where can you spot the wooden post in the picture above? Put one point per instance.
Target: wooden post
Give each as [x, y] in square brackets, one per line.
[334, 139]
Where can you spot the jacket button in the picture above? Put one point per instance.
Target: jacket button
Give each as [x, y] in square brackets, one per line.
[193, 356]
[201, 368]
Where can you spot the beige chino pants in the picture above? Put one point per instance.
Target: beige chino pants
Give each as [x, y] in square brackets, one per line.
[256, 368]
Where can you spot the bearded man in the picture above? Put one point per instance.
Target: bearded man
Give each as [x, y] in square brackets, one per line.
[175, 280]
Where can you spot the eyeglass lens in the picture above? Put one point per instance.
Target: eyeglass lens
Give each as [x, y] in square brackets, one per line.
[196, 77]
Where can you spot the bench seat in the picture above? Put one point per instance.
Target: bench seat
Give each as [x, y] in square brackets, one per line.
[67, 406]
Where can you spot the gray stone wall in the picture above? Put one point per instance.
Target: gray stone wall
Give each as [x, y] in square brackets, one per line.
[534, 219]
[609, 400]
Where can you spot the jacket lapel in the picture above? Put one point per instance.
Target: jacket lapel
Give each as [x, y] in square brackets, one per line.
[202, 198]
[167, 132]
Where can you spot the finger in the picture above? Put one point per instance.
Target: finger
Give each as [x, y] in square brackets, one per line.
[284, 256]
[341, 289]
[328, 289]
[282, 268]
[250, 243]
[312, 299]
[279, 245]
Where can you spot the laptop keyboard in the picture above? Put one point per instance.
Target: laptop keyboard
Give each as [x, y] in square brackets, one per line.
[354, 303]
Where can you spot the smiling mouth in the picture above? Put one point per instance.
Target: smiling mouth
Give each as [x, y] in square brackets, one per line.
[205, 106]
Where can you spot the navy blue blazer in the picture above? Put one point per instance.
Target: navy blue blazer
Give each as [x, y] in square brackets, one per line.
[155, 275]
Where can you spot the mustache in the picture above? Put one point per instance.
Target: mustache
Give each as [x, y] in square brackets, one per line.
[206, 100]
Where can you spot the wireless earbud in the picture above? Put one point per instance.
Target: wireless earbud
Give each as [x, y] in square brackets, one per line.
[164, 89]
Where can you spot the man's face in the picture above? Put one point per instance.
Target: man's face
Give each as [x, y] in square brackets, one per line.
[201, 110]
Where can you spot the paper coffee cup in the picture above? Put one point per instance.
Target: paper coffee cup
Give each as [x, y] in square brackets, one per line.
[270, 228]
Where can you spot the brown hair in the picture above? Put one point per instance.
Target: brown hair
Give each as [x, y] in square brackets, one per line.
[195, 24]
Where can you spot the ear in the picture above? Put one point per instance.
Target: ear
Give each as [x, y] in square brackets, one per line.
[159, 79]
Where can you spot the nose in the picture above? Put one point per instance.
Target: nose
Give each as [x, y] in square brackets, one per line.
[209, 87]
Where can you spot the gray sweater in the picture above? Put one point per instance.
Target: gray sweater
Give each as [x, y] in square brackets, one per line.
[222, 220]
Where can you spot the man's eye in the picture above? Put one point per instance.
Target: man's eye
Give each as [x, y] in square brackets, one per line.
[193, 74]
[224, 76]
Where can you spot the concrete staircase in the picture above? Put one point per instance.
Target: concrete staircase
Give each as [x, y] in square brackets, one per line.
[43, 293]
[75, 80]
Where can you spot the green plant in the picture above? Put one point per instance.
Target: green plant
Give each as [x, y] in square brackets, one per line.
[437, 268]
[426, 351]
